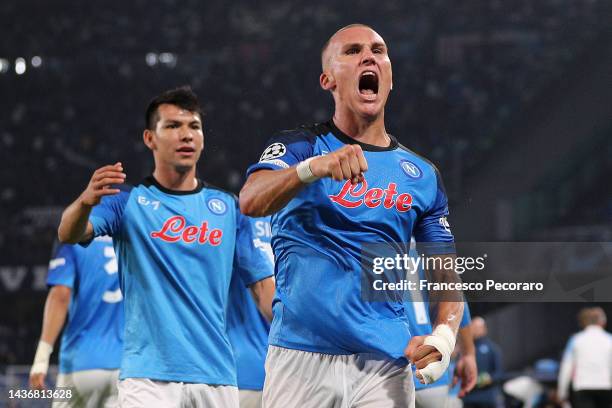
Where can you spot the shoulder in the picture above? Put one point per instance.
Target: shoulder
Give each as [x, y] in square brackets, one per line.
[420, 161]
[302, 133]
[212, 189]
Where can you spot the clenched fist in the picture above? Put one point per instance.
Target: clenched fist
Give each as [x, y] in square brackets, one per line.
[347, 163]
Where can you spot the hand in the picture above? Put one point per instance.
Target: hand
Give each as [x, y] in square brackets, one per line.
[421, 355]
[37, 381]
[100, 183]
[466, 372]
[346, 163]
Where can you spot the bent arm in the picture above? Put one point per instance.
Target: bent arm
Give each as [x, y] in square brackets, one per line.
[263, 294]
[268, 191]
[75, 226]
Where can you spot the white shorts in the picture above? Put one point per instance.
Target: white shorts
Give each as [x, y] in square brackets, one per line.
[432, 397]
[296, 378]
[90, 388]
[142, 392]
[250, 398]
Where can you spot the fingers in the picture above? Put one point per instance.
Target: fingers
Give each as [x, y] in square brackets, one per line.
[422, 351]
[363, 164]
[347, 163]
[429, 358]
[415, 342]
[101, 182]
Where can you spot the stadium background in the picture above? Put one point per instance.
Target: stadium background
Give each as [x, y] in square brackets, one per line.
[512, 99]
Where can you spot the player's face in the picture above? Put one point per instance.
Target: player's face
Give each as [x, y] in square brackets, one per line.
[178, 139]
[358, 71]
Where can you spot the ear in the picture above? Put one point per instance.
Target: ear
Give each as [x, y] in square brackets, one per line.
[148, 137]
[327, 81]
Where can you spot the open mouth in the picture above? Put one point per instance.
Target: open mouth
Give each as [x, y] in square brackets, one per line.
[368, 83]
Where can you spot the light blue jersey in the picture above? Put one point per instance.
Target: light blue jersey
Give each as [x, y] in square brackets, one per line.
[176, 250]
[246, 327]
[93, 336]
[318, 237]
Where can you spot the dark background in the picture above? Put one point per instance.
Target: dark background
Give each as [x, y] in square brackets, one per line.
[511, 99]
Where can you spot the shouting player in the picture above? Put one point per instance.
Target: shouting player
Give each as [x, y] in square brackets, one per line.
[176, 239]
[84, 287]
[333, 187]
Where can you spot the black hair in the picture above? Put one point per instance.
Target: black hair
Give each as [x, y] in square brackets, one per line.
[183, 97]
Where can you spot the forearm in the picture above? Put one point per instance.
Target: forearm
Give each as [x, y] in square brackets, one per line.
[466, 341]
[74, 226]
[447, 304]
[56, 309]
[267, 191]
[263, 294]
[449, 313]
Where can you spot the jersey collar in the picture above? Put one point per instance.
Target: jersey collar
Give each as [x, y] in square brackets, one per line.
[343, 137]
[150, 181]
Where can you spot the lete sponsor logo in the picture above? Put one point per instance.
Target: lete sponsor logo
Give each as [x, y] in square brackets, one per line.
[356, 195]
[175, 229]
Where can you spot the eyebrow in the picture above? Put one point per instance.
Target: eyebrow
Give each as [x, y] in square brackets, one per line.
[376, 44]
[190, 122]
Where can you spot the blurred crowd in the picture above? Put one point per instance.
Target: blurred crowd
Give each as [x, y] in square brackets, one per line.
[463, 72]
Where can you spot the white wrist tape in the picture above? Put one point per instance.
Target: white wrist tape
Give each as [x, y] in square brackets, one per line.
[304, 173]
[443, 339]
[41, 358]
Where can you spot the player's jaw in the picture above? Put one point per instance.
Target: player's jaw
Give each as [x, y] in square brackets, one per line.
[186, 156]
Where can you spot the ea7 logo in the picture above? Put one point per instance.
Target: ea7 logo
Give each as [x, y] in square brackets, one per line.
[142, 200]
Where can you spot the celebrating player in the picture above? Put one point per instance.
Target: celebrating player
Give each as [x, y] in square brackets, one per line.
[85, 287]
[333, 187]
[176, 239]
[248, 329]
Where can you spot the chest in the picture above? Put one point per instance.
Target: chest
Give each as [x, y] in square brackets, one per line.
[186, 221]
[396, 188]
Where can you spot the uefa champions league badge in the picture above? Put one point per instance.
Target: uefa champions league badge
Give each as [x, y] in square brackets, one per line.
[217, 206]
[411, 169]
[274, 151]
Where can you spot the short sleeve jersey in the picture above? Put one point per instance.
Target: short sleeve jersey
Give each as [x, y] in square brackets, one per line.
[246, 327]
[176, 251]
[318, 236]
[93, 336]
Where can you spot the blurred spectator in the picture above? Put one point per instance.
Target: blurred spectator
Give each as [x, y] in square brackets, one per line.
[486, 394]
[587, 363]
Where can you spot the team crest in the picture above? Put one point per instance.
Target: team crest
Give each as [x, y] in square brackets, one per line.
[217, 206]
[410, 169]
[274, 151]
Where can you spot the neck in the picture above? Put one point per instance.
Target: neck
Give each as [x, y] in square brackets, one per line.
[361, 129]
[173, 179]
